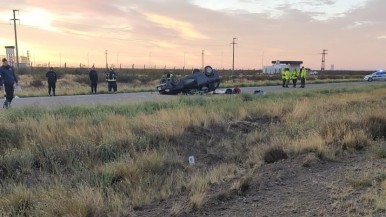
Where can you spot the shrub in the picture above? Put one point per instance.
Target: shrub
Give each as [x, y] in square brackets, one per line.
[377, 126]
[36, 83]
[274, 154]
[10, 136]
[19, 201]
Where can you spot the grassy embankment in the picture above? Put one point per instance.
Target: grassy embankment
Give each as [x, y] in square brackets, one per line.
[105, 160]
[74, 81]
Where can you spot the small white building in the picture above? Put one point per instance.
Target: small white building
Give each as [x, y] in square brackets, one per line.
[278, 66]
[10, 55]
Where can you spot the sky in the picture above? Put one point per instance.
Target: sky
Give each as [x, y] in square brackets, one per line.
[190, 33]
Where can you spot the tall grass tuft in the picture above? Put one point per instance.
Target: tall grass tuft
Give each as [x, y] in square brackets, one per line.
[18, 201]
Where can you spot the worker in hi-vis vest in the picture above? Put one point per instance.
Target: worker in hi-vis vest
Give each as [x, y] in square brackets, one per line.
[294, 77]
[287, 77]
[283, 76]
[111, 78]
[303, 75]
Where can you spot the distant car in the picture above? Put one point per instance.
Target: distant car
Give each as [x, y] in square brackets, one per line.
[311, 72]
[376, 76]
[199, 82]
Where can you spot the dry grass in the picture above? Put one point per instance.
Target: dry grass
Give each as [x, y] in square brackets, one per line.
[197, 200]
[99, 161]
[177, 209]
[67, 85]
[244, 184]
[19, 201]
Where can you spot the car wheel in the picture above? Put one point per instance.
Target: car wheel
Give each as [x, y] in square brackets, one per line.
[208, 71]
[370, 79]
[195, 71]
[228, 91]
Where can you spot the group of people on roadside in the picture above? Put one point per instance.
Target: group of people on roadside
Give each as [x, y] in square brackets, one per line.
[111, 78]
[9, 81]
[287, 75]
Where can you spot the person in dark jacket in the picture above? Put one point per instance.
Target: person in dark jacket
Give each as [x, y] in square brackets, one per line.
[9, 78]
[111, 78]
[93, 75]
[51, 78]
[1, 84]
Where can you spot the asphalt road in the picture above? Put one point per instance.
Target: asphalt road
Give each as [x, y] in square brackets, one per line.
[105, 99]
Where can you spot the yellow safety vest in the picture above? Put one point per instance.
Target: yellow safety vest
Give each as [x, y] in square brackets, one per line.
[303, 73]
[287, 74]
[294, 74]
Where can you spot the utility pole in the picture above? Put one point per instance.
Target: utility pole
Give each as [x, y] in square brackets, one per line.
[203, 53]
[233, 59]
[184, 62]
[17, 49]
[262, 62]
[323, 59]
[107, 66]
[149, 60]
[117, 59]
[28, 59]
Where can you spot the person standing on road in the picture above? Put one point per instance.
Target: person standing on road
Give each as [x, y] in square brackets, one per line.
[93, 75]
[294, 77]
[168, 74]
[1, 83]
[283, 76]
[303, 74]
[287, 77]
[111, 78]
[51, 79]
[9, 78]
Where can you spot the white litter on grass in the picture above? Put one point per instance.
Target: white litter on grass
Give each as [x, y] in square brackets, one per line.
[191, 160]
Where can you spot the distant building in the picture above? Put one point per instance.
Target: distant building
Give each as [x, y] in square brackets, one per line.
[10, 55]
[278, 66]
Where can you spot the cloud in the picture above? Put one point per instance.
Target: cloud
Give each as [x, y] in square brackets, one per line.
[359, 24]
[281, 29]
[317, 10]
[184, 29]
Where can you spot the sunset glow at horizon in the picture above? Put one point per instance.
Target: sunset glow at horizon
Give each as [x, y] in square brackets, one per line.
[176, 33]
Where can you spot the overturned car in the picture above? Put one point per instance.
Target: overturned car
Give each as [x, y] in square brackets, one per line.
[199, 82]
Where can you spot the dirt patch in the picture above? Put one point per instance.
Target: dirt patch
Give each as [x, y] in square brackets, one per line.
[285, 188]
[297, 185]
[219, 143]
[206, 143]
